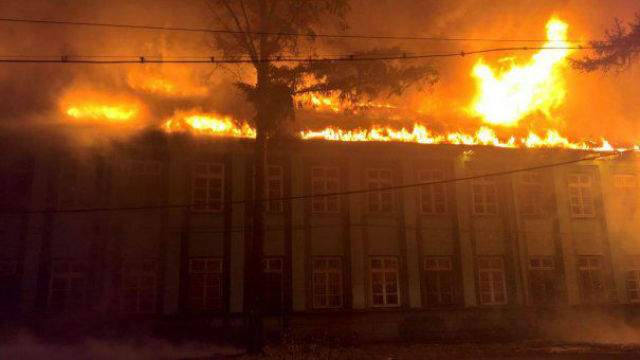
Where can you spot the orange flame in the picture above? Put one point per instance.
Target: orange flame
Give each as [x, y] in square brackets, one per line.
[95, 106]
[505, 97]
[209, 124]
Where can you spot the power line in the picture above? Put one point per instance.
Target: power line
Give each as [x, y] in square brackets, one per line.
[309, 196]
[289, 34]
[64, 59]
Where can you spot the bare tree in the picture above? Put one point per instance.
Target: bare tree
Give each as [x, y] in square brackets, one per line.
[263, 31]
[619, 49]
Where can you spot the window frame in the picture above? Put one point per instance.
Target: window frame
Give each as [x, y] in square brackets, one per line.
[209, 177]
[274, 206]
[530, 188]
[491, 271]
[267, 269]
[633, 275]
[485, 184]
[206, 272]
[327, 182]
[441, 265]
[384, 271]
[68, 277]
[591, 295]
[142, 277]
[582, 200]
[432, 190]
[542, 267]
[327, 271]
[383, 200]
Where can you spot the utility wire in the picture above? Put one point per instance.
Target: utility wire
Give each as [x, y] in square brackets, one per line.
[290, 34]
[65, 59]
[309, 196]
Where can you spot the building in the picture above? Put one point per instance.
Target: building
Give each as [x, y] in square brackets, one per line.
[444, 255]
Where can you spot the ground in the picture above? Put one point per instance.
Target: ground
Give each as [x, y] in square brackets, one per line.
[26, 346]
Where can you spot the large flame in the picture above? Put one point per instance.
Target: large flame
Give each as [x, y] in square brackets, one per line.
[206, 123]
[95, 106]
[506, 96]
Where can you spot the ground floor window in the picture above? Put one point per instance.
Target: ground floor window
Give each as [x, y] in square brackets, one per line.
[633, 280]
[67, 286]
[272, 284]
[439, 281]
[543, 280]
[9, 284]
[491, 280]
[385, 282]
[327, 282]
[139, 286]
[591, 279]
[205, 284]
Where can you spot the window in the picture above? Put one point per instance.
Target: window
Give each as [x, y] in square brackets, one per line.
[325, 180]
[439, 282]
[327, 282]
[543, 280]
[380, 201]
[485, 201]
[433, 198]
[492, 284]
[531, 192]
[144, 182]
[581, 195]
[591, 279]
[137, 167]
[628, 181]
[272, 285]
[633, 279]
[205, 284]
[139, 286]
[274, 188]
[8, 267]
[385, 289]
[9, 285]
[68, 285]
[208, 187]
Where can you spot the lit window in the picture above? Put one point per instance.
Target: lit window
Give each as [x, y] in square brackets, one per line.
[139, 286]
[485, 200]
[208, 187]
[272, 284]
[531, 193]
[380, 201]
[491, 279]
[274, 188]
[581, 195]
[439, 281]
[543, 280]
[327, 282]
[67, 286]
[385, 282]
[325, 180]
[205, 284]
[633, 279]
[433, 198]
[591, 279]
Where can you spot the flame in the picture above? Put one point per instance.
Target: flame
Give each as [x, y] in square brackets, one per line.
[95, 106]
[505, 97]
[209, 124]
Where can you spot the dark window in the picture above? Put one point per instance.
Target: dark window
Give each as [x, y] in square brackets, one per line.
[543, 280]
[272, 284]
[433, 198]
[493, 290]
[380, 201]
[439, 281]
[485, 198]
[325, 180]
[592, 287]
[68, 285]
[9, 285]
[207, 189]
[205, 284]
[327, 282]
[139, 286]
[385, 282]
[531, 193]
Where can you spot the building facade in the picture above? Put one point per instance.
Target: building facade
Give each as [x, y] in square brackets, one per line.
[170, 216]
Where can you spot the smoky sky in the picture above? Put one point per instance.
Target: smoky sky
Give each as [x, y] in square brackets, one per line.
[33, 92]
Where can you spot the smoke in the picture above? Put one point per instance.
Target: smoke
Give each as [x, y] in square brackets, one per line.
[32, 94]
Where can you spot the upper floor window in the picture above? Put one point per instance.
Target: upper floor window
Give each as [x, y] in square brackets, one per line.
[531, 191]
[208, 187]
[327, 282]
[491, 279]
[433, 198]
[380, 201]
[205, 283]
[485, 200]
[385, 281]
[325, 180]
[274, 188]
[581, 195]
[628, 181]
[68, 285]
[439, 280]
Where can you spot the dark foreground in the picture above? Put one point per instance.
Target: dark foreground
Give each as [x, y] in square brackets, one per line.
[26, 346]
